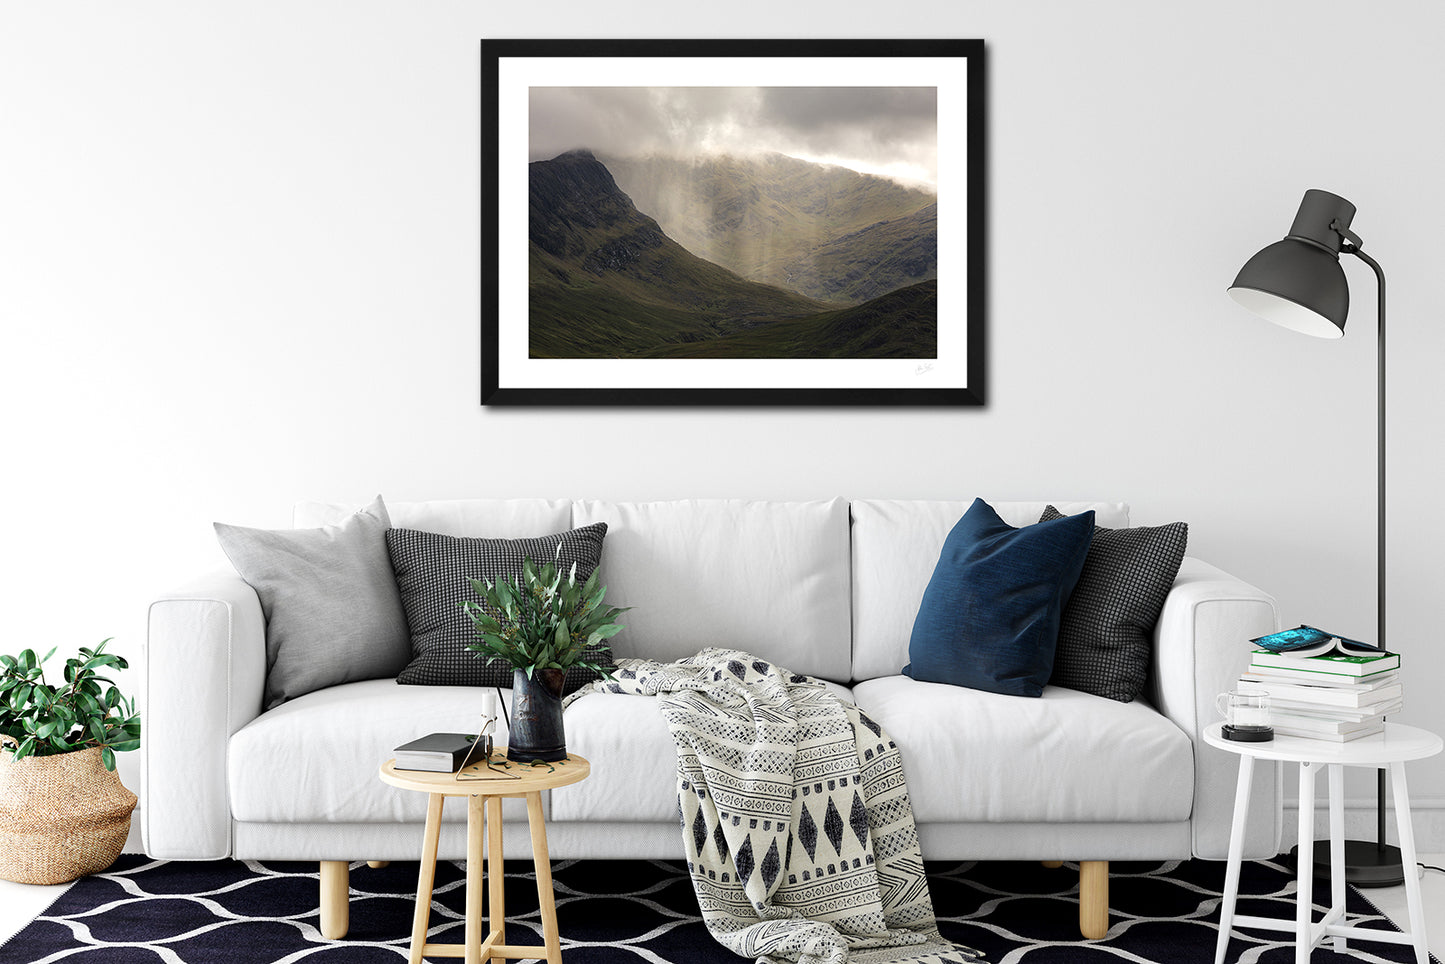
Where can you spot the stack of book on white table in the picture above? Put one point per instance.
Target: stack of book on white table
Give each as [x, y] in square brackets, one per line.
[1326, 689]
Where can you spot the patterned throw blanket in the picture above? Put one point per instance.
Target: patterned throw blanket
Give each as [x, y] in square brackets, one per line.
[795, 817]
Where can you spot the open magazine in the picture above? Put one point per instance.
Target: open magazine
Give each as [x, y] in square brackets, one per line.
[1309, 641]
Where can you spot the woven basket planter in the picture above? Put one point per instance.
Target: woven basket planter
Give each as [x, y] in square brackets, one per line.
[61, 817]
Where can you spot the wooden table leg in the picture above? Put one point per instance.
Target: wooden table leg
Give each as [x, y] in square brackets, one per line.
[1408, 858]
[475, 842]
[1236, 855]
[426, 877]
[545, 898]
[496, 898]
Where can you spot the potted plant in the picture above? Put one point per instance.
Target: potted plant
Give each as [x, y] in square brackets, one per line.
[63, 811]
[541, 625]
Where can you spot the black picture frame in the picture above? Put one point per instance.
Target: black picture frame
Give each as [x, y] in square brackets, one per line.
[963, 58]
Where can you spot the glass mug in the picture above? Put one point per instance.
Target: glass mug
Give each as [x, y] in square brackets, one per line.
[1246, 715]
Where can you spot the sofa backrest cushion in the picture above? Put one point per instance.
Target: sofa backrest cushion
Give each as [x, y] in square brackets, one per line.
[770, 578]
[477, 518]
[896, 544]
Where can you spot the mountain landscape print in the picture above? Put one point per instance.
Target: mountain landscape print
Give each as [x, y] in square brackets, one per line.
[732, 222]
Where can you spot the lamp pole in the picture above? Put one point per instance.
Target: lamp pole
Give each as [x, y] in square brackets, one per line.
[1352, 245]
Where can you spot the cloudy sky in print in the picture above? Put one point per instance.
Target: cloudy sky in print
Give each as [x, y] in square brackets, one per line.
[892, 131]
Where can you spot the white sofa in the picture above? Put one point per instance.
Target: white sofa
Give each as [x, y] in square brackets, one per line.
[827, 588]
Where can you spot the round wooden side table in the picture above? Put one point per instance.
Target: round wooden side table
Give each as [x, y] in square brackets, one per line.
[1391, 749]
[485, 787]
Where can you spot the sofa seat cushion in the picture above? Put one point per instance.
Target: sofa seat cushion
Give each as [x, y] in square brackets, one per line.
[634, 761]
[315, 759]
[1064, 757]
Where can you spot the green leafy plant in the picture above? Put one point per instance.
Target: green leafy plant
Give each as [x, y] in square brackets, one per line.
[87, 710]
[543, 620]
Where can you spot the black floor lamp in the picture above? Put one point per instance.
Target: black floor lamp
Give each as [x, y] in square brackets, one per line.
[1298, 283]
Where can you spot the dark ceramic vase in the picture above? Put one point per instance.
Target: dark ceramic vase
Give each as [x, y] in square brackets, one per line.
[537, 717]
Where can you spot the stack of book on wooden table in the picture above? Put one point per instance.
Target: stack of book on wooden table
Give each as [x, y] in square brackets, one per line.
[1325, 687]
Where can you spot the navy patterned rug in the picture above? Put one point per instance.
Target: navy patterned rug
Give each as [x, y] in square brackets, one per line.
[639, 912]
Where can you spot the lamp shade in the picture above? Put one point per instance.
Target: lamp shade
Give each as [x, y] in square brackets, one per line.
[1298, 283]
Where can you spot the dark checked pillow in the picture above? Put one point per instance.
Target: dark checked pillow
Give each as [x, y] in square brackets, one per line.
[433, 574]
[1107, 631]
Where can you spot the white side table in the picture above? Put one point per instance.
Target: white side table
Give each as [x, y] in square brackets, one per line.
[1390, 749]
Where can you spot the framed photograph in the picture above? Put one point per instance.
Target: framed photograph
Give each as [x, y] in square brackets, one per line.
[731, 222]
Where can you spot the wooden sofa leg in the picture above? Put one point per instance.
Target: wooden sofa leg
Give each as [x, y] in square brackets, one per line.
[378, 864]
[335, 899]
[1093, 898]
[1052, 864]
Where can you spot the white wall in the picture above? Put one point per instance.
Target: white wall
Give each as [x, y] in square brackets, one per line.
[238, 267]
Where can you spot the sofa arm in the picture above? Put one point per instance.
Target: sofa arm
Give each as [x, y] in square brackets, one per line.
[205, 673]
[1200, 648]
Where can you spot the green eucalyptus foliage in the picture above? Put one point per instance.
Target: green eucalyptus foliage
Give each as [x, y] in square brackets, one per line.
[543, 620]
[87, 710]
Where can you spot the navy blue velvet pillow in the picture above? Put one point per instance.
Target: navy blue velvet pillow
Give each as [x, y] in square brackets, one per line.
[989, 619]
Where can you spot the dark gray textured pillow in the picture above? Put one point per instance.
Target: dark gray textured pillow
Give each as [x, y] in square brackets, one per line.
[332, 610]
[1106, 635]
[434, 573]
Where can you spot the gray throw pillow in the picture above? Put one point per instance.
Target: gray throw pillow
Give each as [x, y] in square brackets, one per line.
[332, 611]
[434, 574]
[1106, 635]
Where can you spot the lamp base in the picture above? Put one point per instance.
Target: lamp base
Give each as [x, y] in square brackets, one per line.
[1366, 864]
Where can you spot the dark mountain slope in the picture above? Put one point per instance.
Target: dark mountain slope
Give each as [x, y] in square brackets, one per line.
[606, 281]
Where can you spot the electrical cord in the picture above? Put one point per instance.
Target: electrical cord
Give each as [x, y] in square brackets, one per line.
[503, 703]
[1438, 870]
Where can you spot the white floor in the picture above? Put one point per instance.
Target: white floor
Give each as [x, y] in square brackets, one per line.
[21, 903]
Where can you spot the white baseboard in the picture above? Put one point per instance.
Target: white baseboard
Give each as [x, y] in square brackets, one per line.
[132, 841]
[1427, 817]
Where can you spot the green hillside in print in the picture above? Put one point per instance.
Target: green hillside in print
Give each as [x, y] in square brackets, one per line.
[607, 281]
[901, 324]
